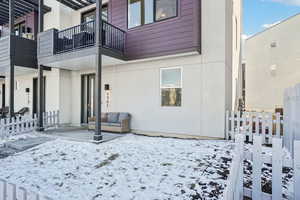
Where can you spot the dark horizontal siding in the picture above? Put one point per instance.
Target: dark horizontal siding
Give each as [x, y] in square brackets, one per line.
[23, 50]
[177, 35]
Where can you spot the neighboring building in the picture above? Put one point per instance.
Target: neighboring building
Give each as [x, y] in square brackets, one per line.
[272, 64]
[169, 63]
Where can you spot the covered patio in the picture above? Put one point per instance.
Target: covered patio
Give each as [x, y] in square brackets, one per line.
[80, 134]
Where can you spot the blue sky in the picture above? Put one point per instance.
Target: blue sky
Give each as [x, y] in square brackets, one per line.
[259, 14]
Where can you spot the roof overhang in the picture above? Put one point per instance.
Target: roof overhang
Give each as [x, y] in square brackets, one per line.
[76, 4]
[22, 7]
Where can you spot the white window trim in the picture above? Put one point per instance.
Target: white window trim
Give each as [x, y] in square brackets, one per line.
[161, 87]
[167, 68]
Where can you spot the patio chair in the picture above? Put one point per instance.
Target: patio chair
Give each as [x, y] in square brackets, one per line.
[22, 111]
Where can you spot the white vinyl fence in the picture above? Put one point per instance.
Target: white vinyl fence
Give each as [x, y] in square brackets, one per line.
[17, 125]
[254, 123]
[51, 119]
[24, 124]
[9, 191]
[235, 189]
[292, 116]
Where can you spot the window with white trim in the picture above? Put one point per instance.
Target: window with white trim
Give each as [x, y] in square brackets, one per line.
[171, 87]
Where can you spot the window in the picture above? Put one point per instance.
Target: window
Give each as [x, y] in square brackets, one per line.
[141, 12]
[91, 15]
[171, 87]
[165, 9]
[134, 13]
[20, 29]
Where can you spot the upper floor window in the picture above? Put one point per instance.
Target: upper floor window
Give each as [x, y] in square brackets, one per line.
[141, 12]
[91, 15]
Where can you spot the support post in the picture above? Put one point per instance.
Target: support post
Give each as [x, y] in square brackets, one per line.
[40, 74]
[11, 88]
[12, 17]
[12, 57]
[98, 135]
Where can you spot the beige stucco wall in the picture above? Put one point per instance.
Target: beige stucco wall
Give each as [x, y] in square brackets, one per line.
[23, 99]
[135, 88]
[264, 86]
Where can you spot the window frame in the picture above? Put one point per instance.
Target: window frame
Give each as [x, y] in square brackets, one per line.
[161, 87]
[154, 14]
[91, 11]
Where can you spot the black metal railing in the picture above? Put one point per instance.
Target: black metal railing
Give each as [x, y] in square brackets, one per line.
[113, 37]
[83, 36]
[80, 36]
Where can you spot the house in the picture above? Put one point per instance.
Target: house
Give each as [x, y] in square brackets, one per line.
[170, 64]
[272, 64]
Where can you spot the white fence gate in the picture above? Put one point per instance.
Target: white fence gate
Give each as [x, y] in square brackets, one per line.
[24, 124]
[9, 191]
[235, 189]
[254, 123]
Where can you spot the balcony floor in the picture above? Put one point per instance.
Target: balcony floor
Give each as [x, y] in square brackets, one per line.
[79, 59]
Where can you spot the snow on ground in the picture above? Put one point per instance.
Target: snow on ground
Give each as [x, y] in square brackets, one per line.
[18, 137]
[287, 173]
[131, 167]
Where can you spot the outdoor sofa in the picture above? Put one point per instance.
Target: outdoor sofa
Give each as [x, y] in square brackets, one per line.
[112, 122]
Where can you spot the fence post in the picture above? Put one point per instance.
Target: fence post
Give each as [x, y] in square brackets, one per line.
[287, 120]
[227, 125]
[257, 165]
[296, 169]
[232, 131]
[12, 191]
[58, 118]
[270, 128]
[278, 123]
[238, 119]
[238, 195]
[3, 189]
[297, 111]
[277, 155]
[250, 137]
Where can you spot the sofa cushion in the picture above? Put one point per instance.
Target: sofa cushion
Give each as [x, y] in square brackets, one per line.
[123, 116]
[103, 117]
[113, 117]
[111, 124]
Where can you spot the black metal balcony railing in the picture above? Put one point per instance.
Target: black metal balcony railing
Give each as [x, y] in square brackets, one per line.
[83, 35]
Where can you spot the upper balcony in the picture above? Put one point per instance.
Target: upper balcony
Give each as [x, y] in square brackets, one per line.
[22, 49]
[19, 46]
[80, 41]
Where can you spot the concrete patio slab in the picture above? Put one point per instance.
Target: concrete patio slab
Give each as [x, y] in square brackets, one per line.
[80, 134]
[21, 145]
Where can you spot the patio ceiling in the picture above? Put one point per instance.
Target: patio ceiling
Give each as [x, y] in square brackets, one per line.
[77, 4]
[22, 7]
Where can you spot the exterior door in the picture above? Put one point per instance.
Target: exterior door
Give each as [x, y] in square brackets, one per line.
[35, 96]
[87, 97]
